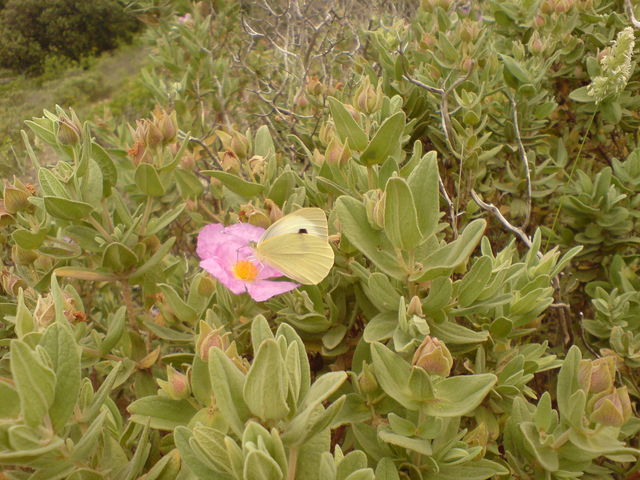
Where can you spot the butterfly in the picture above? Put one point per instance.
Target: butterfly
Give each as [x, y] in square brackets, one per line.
[297, 245]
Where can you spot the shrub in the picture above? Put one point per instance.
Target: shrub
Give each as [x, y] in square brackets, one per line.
[32, 29]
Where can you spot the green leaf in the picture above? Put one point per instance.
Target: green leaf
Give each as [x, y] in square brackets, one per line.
[64, 352]
[457, 396]
[419, 445]
[386, 141]
[445, 259]
[515, 69]
[400, 216]
[89, 440]
[116, 327]
[266, 384]
[568, 380]
[91, 184]
[227, 382]
[161, 412]
[155, 259]
[372, 243]
[9, 401]
[35, 383]
[423, 181]
[260, 466]
[148, 180]
[480, 469]
[392, 373]
[156, 224]
[582, 95]
[67, 209]
[263, 143]
[51, 185]
[82, 273]
[27, 239]
[282, 187]
[473, 283]
[178, 306]
[236, 184]
[346, 127]
[119, 258]
[109, 171]
[386, 470]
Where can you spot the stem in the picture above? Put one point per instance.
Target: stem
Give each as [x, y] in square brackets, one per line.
[145, 215]
[371, 177]
[292, 464]
[128, 301]
[100, 229]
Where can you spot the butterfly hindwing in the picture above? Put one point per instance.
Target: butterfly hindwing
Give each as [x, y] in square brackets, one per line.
[304, 258]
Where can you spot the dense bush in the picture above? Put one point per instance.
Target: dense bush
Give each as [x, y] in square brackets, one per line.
[480, 171]
[30, 30]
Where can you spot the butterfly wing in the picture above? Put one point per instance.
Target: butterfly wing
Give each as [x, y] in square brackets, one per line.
[312, 221]
[304, 258]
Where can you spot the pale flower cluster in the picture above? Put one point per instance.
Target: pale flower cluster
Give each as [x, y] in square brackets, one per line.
[617, 67]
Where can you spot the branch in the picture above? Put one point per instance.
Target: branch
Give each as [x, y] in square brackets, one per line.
[452, 210]
[629, 8]
[505, 223]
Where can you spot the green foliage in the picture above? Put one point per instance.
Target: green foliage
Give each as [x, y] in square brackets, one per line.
[440, 344]
[31, 30]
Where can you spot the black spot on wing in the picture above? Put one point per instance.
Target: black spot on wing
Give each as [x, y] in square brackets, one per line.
[302, 230]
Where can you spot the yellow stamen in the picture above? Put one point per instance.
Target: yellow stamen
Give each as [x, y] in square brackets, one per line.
[245, 270]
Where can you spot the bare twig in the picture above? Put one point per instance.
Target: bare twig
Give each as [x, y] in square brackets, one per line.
[209, 153]
[523, 159]
[629, 8]
[452, 210]
[505, 223]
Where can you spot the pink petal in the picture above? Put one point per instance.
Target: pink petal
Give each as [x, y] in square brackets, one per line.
[216, 268]
[246, 231]
[209, 240]
[261, 290]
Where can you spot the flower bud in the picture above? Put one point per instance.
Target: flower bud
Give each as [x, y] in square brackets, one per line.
[257, 165]
[230, 162]
[374, 204]
[327, 133]
[337, 153]
[367, 379]
[366, 98]
[5, 217]
[166, 124]
[20, 256]
[153, 135]
[415, 306]
[177, 384]
[208, 338]
[539, 21]
[598, 375]
[433, 356]
[68, 133]
[45, 312]
[137, 152]
[240, 144]
[535, 44]
[16, 197]
[613, 409]
[469, 31]
[427, 41]
[313, 86]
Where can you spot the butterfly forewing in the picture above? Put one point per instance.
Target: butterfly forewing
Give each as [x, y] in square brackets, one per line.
[312, 221]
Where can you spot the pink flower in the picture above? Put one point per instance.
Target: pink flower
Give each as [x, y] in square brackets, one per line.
[226, 254]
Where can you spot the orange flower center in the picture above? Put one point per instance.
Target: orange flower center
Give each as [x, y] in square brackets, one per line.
[245, 270]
